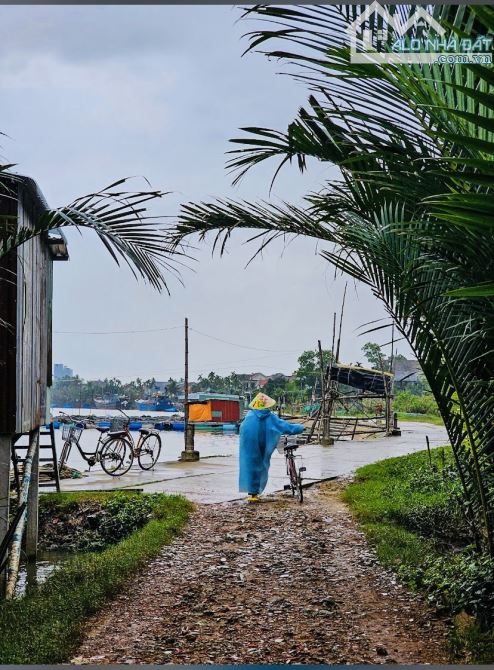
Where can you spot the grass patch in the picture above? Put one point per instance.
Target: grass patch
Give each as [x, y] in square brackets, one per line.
[411, 511]
[423, 418]
[45, 626]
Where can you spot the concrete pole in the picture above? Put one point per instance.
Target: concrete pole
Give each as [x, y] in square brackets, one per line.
[5, 451]
[189, 453]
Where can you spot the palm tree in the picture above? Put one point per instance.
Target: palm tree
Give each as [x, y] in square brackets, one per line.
[120, 219]
[410, 216]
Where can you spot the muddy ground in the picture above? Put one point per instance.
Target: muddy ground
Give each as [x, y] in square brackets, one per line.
[276, 582]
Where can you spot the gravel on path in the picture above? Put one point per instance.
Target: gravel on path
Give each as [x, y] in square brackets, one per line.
[273, 582]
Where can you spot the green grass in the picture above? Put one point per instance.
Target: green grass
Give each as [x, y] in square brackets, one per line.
[382, 494]
[65, 500]
[409, 513]
[45, 626]
[425, 418]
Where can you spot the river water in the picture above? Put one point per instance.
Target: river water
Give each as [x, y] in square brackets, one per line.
[211, 444]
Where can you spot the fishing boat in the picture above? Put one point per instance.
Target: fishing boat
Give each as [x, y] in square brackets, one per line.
[157, 403]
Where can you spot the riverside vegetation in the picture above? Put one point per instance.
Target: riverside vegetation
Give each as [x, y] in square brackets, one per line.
[127, 529]
[412, 510]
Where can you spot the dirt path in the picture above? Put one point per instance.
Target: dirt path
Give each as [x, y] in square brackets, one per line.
[276, 582]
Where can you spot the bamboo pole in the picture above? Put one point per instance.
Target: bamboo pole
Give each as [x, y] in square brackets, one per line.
[15, 550]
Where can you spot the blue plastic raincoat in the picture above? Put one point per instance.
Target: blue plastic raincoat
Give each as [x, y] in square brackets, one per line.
[260, 432]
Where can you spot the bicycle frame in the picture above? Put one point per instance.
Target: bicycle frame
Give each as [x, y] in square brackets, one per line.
[135, 447]
[91, 457]
[291, 470]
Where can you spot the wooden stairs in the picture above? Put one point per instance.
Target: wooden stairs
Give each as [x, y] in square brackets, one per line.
[48, 464]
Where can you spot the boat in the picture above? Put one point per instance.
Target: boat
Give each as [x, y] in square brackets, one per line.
[157, 403]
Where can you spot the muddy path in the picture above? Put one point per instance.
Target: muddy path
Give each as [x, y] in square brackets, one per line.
[276, 582]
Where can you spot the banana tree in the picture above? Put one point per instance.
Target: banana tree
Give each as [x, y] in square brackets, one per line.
[410, 215]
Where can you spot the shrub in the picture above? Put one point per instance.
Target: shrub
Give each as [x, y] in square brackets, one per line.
[457, 582]
[91, 523]
[405, 401]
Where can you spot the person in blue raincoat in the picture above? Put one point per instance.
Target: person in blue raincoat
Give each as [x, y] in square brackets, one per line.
[260, 432]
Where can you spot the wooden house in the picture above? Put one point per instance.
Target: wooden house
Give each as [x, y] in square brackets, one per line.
[26, 286]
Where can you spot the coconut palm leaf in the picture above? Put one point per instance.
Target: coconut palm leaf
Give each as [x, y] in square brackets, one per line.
[416, 169]
[121, 221]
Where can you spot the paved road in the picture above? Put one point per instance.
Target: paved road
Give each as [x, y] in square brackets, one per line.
[213, 479]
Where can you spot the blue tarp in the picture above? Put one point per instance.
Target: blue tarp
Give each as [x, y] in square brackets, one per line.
[260, 432]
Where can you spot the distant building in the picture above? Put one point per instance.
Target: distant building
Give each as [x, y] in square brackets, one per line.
[61, 371]
[257, 380]
[407, 374]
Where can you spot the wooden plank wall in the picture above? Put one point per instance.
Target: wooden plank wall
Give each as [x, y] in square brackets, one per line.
[8, 323]
[33, 270]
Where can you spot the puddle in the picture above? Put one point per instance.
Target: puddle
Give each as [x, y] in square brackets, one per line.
[32, 574]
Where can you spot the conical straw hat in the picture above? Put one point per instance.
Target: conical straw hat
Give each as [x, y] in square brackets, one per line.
[262, 401]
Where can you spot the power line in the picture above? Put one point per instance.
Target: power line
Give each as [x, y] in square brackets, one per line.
[161, 330]
[113, 332]
[243, 346]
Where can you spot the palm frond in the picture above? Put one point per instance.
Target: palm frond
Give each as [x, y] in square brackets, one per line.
[122, 222]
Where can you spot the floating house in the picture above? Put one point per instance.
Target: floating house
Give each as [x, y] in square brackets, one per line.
[215, 408]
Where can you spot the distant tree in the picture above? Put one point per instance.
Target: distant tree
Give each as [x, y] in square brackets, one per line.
[172, 387]
[377, 358]
[309, 369]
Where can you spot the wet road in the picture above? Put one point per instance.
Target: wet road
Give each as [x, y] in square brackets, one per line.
[213, 479]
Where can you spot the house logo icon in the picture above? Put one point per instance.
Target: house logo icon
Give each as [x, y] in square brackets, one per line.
[366, 40]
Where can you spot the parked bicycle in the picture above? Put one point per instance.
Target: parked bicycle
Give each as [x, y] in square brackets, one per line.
[110, 453]
[295, 475]
[148, 447]
[115, 449]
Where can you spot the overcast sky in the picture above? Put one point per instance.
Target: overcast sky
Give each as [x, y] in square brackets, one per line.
[92, 94]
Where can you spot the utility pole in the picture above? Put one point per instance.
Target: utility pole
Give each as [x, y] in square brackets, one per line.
[189, 453]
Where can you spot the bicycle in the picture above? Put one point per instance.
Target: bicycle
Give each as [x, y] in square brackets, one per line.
[115, 449]
[111, 457]
[148, 447]
[295, 475]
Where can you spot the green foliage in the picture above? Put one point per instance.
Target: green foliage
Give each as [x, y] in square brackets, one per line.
[309, 369]
[79, 392]
[411, 511]
[376, 357]
[458, 582]
[45, 626]
[406, 401]
[421, 418]
[119, 218]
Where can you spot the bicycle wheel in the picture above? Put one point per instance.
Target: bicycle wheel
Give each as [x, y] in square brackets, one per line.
[149, 451]
[300, 490]
[116, 456]
[64, 456]
[292, 473]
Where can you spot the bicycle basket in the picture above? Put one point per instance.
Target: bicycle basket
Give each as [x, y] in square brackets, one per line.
[118, 423]
[71, 431]
[281, 444]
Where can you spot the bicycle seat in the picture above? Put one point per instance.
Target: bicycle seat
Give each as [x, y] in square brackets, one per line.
[291, 446]
[102, 430]
[144, 431]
